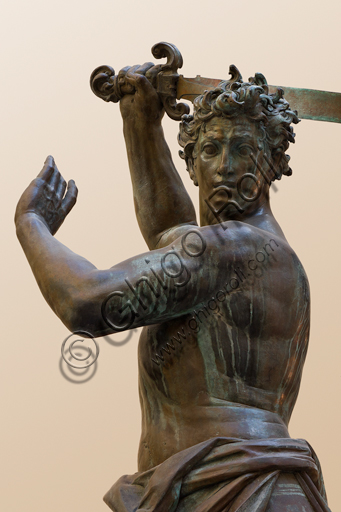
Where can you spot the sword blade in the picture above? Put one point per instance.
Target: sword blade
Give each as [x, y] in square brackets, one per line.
[309, 103]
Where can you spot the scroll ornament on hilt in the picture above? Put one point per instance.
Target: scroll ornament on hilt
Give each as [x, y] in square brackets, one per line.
[110, 87]
[106, 85]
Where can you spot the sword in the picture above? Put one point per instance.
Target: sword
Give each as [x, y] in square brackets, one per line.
[309, 103]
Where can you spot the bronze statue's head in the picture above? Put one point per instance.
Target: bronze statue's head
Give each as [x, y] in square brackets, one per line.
[233, 98]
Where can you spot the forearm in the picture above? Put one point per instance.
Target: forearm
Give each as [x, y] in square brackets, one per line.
[60, 273]
[161, 200]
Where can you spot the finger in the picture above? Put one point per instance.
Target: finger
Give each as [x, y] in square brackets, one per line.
[48, 169]
[124, 83]
[55, 178]
[70, 198]
[138, 81]
[153, 71]
[61, 188]
[124, 86]
[142, 70]
[133, 69]
[123, 71]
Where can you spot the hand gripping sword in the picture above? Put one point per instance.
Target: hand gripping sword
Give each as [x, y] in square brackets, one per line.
[309, 103]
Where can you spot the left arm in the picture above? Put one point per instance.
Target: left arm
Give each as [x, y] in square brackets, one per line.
[72, 286]
[150, 288]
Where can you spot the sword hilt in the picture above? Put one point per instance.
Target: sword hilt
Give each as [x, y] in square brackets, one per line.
[110, 87]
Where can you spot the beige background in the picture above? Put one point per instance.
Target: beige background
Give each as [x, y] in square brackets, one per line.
[64, 444]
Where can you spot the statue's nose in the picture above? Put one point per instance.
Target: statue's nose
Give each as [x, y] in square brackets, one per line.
[224, 168]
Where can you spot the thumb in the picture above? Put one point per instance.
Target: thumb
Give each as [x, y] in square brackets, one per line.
[139, 82]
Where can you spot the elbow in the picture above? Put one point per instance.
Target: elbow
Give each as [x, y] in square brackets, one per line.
[79, 316]
[69, 312]
[80, 309]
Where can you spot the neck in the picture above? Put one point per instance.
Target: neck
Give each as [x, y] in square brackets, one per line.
[260, 216]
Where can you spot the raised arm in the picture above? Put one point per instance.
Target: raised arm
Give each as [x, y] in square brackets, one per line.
[161, 200]
[149, 288]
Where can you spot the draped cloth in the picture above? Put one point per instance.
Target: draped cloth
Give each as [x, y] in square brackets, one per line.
[221, 475]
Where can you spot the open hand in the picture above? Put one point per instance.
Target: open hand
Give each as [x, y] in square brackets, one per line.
[45, 198]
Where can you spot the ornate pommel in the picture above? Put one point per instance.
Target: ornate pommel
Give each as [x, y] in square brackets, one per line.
[105, 84]
[110, 87]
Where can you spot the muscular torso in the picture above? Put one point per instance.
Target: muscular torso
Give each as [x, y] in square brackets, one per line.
[239, 375]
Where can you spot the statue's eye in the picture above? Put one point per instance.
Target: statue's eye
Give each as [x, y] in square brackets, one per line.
[244, 150]
[210, 149]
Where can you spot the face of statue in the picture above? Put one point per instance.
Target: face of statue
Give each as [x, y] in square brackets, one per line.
[223, 168]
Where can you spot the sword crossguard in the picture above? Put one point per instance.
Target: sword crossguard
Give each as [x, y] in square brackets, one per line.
[167, 79]
[110, 87]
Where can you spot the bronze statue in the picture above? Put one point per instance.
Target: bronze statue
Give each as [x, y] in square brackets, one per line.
[225, 304]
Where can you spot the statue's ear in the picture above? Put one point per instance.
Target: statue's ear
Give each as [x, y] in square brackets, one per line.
[277, 161]
[191, 170]
[280, 162]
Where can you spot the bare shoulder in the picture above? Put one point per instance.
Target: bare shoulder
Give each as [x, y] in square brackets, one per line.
[229, 239]
[238, 234]
[242, 237]
[239, 239]
[237, 245]
[172, 234]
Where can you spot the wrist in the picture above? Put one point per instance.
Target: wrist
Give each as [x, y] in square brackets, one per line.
[146, 130]
[26, 221]
[141, 123]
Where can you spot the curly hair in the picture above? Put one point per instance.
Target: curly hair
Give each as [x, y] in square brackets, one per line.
[235, 97]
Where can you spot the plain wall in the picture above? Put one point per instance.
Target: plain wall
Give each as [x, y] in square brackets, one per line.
[63, 444]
